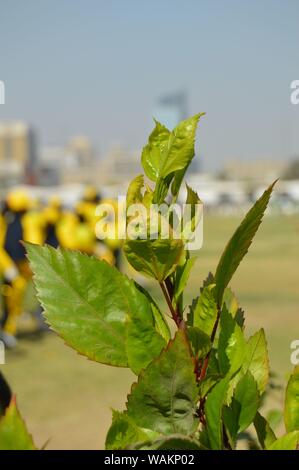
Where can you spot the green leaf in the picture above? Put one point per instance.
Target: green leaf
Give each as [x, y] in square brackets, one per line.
[161, 324]
[177, 181]
[138, 194]
[192, 196]
[230, 420]
[175, 157]
[152, 152]
[206, 385]
[232, 304]
[236, 350]
[180, 149]
[208, 281]
[164, 398]
[264, 432]
[182, 276]
[144, 343]
[156, 258]
[289, 441]
[239, 244]
[213, 367]
[239, 317]
[203, 311]
[200, 342]
[227, 327]
[244, 405]
[231, 301]
[245, 401]
[236, 353]
[203, 438]
[213, 409]
[134, 194]
[248, 357]
[192, 200]
[174, 442]
[13, 432]
[274, 417]
[89, 303]
[123, 432]
[191, 215]
[161, 189]
[291, 409]
[85, 300]
[256, 360]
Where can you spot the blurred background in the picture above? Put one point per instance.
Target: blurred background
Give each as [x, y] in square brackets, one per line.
[83, 81]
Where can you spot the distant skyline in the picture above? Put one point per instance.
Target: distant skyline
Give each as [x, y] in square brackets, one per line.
[98, 68]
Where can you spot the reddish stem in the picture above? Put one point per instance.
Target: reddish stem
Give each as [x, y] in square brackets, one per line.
[173, 312]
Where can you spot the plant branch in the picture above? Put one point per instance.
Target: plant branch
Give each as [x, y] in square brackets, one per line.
[215, 327]
[173, 312]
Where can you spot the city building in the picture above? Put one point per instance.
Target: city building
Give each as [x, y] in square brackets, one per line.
[52, 159]
[81, 147]
[254, 170]
[73, 162]
[171, 108]
[18, 149]
[120, 165]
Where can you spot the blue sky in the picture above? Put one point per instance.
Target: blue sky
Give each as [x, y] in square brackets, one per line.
[97, 67]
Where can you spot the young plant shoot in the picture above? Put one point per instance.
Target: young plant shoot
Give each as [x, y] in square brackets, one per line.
[199, 378]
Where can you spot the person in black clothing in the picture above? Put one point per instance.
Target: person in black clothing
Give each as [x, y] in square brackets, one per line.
[5, 394]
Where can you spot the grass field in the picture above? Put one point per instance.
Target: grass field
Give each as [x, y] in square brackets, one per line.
[67, 398]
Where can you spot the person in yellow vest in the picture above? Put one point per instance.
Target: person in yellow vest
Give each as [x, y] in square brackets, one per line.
[76, 231]
[12, 284]
[25, 222]
[40, 227]
[18, 203]
[65, 228]
[91, 195]
[34, 226]
[85, 234]
[52, 215]
[86, 208]
[39, 224]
